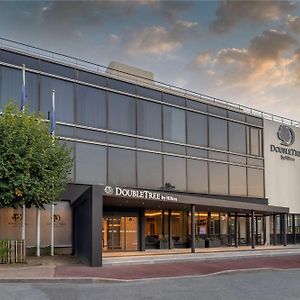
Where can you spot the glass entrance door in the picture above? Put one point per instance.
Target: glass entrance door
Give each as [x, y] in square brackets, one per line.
[119, 233]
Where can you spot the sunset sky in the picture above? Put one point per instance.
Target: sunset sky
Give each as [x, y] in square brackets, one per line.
[241, 51]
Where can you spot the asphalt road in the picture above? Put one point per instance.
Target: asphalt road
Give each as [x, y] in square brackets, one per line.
[273, 285]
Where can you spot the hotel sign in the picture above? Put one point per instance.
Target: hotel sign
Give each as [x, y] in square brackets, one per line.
[287, 137]
[140, 194]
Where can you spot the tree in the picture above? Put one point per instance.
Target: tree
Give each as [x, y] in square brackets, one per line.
[34, 169]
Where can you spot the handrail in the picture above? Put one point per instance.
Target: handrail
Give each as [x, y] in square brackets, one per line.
[81, 63]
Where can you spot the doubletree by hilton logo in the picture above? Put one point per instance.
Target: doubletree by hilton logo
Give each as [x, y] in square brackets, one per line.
[109, 190]
[286, 135]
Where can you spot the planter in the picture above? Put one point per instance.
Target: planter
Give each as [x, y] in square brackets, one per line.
[165, 244]
[199, 244]
[214, 243]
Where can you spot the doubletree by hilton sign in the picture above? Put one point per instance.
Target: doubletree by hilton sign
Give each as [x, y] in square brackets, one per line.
[141, 194]
[287, 137]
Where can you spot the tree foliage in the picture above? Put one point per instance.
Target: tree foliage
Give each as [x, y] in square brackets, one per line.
[34, 168]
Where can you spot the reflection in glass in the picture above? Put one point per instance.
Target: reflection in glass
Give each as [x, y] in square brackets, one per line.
[237, 181]
[237, 137]
[90, 107]
[217, 133]
[149, 170]
[121, 167]
[174, 173]
[90, 164]
[174, 124]
[255, 183]
[196, 129]
[121, 113]
[149, 119]
[197, 176]
[218, 178]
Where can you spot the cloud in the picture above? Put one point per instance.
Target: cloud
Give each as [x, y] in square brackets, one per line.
[160, 40]
[293, 24]
[261, 65]
[230, 13]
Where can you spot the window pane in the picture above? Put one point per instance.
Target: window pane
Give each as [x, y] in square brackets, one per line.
[237, 181]
[149, 170]
[57, 69]
[255, 183]
[196, 105]
[255, 162]
[218, 178]
[254, 120]
[170, 148]
[121, 86]
[237, 159]
[70, 145]
[236, 116]
[197, 176]
[174, 124]
[196, 129]
[217, 155]
[196, 152]
[19, 59]
[149, 119]
[121, 113]
[151, 145]
[92, 78]
[174, 173]
[121, 167]
[237, 137]
[11, 86]
[217, 133]
[254, 141]
[217, 111]
[64, 96]
[90, 107]
[118, 139]
[173, 99]
[149, 93]
[90, 135]
[90, 164]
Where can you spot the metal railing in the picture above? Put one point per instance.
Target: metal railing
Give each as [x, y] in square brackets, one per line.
[12, 251]
[102, 70]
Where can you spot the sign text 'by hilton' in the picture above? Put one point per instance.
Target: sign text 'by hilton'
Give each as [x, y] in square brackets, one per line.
[141, 194]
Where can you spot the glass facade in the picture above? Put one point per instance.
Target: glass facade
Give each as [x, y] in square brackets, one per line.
[146, 138]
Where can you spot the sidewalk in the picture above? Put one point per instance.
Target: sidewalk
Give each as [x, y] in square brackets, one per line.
[152, 266]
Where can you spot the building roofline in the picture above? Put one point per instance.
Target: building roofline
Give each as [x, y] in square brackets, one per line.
[71, 61]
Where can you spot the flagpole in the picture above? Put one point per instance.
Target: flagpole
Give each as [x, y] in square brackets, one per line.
[23, 100]
[53, 136]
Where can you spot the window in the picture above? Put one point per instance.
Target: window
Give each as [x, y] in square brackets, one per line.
[90, 107]
[121, 86]
[255, 141]
[218, 178]
[174, 173]
[149, 93]
[254, 120]
[90, 164]
[92, 78]
[149, 170]
[64, 98]
[236, 116]
[149, 119]
[57, 69]
[197, 176]
[237, 137]
[217, 111]
[11, 87]
[255, 183]
[121, 113]
[173, 99]
[196, 129]
[217, 133]
[121, 167]
[196, 105]
[237, 181]
[19, 60]
[174, 124]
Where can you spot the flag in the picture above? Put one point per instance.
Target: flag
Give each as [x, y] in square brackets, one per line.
[23, 96]
[52, 115]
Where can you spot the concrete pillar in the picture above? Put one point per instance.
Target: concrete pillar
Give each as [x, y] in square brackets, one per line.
[284, 227]
[267, 230]
[193, 235]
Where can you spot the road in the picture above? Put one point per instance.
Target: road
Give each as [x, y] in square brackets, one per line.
[264, 285]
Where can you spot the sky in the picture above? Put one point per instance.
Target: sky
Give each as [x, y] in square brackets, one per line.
[246, 52]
